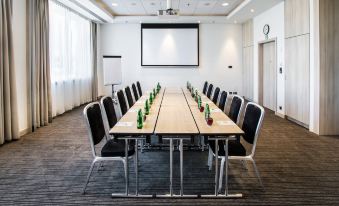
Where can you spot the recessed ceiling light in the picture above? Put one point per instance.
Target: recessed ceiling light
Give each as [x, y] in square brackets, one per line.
[114, 4]
[235, 21]
[252, 10]
[225, 4]
[199, 22]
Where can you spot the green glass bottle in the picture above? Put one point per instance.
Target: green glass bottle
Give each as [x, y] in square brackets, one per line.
[146, 107]
[199, 102]
[151, 98]
[207, 112]
[154, 92]
[140, 118]
[196, 95]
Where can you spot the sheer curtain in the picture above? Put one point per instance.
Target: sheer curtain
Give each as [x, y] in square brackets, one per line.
[70, 57]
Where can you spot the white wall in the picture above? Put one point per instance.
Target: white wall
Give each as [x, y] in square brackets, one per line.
[274, 17]
[314, 66]
[220, 46]
[20, 61]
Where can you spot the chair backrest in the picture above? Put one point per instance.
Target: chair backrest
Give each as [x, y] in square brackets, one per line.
[135, 92]
[235, 108]
[222, 101]
[108, 109]
[95, 124]
[205, 87]
[122, 102]
[209, 91]
[216, 95]
[139, 88]
[253, 118]
[129, 96]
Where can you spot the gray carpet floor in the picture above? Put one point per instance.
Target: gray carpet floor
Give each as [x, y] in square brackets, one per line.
[49, 167]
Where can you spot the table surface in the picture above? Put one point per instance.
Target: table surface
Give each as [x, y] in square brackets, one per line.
[174, 112]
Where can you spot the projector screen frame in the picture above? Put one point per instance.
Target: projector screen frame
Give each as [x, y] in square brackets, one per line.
[170, 26]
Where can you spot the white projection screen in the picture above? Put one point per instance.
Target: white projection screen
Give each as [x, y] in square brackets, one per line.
[170, 45]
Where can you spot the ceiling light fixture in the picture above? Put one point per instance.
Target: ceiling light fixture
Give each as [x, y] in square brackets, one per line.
[114, 4]
[199, 22]
[225, 4]
[252, 10]
[235, 21]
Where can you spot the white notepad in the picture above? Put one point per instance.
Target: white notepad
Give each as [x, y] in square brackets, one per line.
[133, 110]
[226, 123]
[215, 110]
[124, 124]
[141, 101]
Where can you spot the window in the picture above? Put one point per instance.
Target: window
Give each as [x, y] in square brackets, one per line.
[70, 59]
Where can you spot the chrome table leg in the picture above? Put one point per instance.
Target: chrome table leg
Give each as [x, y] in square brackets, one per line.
[181, 167]
[171, 167]
[126, 166]
[226, 167]
[136, 168]
[216, 168]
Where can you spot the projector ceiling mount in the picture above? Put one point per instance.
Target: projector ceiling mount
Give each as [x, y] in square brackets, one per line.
[169, 12]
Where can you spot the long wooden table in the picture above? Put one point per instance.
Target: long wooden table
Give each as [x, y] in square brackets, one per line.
[175, 114]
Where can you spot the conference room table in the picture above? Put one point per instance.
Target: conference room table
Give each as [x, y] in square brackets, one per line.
[174, 115]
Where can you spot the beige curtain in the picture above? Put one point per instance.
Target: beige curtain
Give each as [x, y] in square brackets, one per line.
[39, 65]
[9, 129]
[94, 45]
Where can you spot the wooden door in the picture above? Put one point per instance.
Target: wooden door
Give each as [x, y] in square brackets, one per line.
[269, 76]
[297, 84]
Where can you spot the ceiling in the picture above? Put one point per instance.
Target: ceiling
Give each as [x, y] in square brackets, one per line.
[190, 11]
[186, 7]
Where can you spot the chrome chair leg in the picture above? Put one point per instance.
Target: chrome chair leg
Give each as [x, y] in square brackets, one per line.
[101, 166]
[221, 175]
[210, 159]
[202, 139]
[257, 173]
[244, 164]
[88, 176]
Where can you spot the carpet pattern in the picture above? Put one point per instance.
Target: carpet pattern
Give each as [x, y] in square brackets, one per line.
[49, 167]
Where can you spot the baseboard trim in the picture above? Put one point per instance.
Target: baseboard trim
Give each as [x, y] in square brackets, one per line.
[297, 122]
[24, 132]
[280, 115]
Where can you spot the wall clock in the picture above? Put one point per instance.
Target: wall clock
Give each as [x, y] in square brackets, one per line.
[266, 30]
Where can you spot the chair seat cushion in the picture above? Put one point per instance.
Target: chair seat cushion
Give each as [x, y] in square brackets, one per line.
[115, 148]
[235, 148]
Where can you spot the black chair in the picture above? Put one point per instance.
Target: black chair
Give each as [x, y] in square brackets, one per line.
[234, 115]
[235, 108]
[122, 102]
[253, 118]
[209, 91]
[129, 96]
[112, 150]
[139, 88]
[205, 88]
[216, 95]
[109, 111]
[135, 92]
[222, 101]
